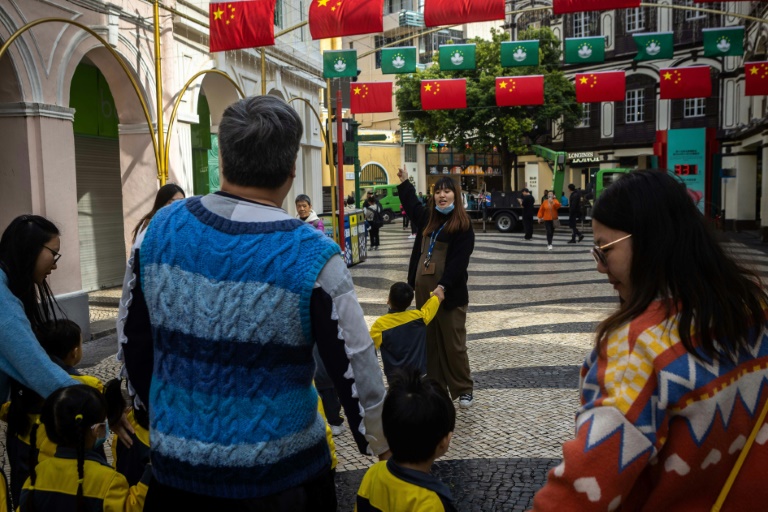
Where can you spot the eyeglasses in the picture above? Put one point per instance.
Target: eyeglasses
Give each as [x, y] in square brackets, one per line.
[56, 255]
[599, 255]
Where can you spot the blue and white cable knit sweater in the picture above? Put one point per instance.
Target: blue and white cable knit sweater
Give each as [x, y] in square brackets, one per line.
[233, 409]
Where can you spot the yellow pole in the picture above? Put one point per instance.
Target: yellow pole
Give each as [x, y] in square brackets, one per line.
[334, 215]
[163, 170]
[263, 72]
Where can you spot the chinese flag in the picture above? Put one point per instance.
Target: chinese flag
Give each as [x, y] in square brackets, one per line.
[512, 91]
[756, 78]
[241, 24]
[443, 94]
[678, 83]
[597, 87]
[366, 98]
[563, 6]
[458, 12]
[337, 18]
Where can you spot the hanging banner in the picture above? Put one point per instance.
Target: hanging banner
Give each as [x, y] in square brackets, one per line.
[687, 157]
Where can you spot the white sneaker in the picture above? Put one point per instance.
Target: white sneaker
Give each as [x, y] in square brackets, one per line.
[466, 401]
[411, 236]
[337, 430]
[549, 247]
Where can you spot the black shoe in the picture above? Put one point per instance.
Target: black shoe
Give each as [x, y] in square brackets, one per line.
[581, 237]
[571, 241]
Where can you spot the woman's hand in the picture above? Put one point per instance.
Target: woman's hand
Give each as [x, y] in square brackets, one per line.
[124, 430]
[402, 174]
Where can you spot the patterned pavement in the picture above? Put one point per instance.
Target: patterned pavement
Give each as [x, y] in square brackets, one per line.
[531, 321]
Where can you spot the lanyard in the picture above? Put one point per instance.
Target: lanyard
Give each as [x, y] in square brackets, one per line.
[432, 241]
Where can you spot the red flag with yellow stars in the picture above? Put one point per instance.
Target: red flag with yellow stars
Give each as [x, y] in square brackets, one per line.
[367, 98]
[459, 12]
[603, 86]
[337, 18]
[512, 91]
[443, 94]
[679, 83]
[241, 24]
[756, 78]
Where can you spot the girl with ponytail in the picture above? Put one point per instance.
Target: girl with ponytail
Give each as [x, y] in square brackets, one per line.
[78, 477]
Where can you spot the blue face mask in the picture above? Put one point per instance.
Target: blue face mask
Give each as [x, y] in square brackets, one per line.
[445, 210]
[101, 440]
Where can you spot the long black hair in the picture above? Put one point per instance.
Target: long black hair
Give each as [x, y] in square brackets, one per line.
[68, 414]
[676, 255]
[458, 220]
[20, 245]
[164, 195]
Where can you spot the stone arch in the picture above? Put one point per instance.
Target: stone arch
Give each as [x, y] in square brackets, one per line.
[20, 59]
[10, 85]
[220, 94]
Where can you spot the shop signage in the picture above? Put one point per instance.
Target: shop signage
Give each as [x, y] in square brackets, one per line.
[687, 157]
[587, 157]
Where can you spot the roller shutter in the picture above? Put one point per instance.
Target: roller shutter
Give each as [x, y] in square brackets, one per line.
[100, 212]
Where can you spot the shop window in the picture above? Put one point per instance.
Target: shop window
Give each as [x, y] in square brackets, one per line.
[586, 117]
[411, 153]
[695, 13]
[582, 24]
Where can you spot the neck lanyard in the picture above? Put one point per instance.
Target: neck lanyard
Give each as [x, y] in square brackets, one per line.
[432, 241]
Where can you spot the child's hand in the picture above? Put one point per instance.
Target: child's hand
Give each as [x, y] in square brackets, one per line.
[439, 292]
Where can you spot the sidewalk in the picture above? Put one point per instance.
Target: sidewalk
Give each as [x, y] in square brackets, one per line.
[103, 306]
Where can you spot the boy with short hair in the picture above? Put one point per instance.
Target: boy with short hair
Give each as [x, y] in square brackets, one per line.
[418, 418]
[400, 335]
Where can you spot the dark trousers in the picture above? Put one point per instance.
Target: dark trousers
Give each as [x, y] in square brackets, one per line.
[374, 234]
[573, 222]
[406, 221]
[528, 226]
[324, 385]
[550, 226]
[318, 494]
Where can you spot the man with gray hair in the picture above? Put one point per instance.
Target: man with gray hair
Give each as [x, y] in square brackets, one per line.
[235, 292]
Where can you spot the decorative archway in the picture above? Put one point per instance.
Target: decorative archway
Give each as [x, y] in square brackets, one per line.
[373, 174]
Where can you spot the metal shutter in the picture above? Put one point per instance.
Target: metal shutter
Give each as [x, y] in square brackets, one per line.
[100, 212]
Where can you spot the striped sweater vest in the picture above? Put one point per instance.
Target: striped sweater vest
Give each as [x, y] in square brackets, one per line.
[233, 411]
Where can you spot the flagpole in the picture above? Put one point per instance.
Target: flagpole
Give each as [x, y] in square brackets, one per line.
[340, 182]
[163, 170]
[263, 72]
[329, 151]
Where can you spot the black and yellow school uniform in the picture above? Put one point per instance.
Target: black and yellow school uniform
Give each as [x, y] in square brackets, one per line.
[401, 337]
[130, 462]
[388, 487]
[103, 487]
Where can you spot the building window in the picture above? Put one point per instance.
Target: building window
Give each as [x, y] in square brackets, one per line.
[302, 32]
[633, 106]
[393, 6]
[635, 19]
[695, 107]
[694, 14]
[410, 153]
[421, 6]
[582, 22]
[279, 13]
[586, 116]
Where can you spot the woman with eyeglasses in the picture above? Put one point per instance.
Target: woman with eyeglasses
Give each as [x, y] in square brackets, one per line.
[674, 392]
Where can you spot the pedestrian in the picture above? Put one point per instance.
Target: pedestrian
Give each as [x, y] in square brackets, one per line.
[439, 261]
[527, 202]
[563, 199]
[401, 334]
[574, 214]
[78, 477]
[373, 210]
[422, 199]
[167, 194]
[305, 212]
[672, 392]
[545, 196]
[419, 419]
[548, 214]
[223, 313]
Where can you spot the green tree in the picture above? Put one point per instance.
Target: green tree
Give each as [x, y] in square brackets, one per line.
[483, 125]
